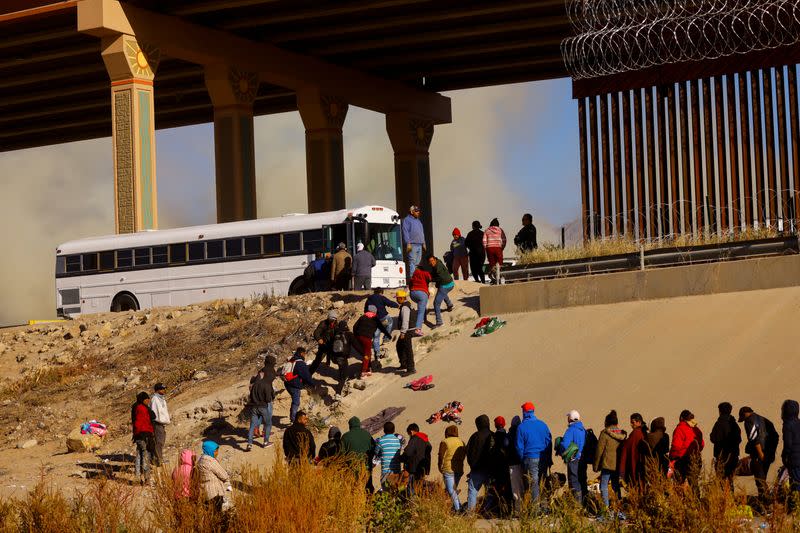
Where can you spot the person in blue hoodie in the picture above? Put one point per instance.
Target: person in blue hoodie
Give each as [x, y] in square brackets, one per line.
[570, 448]
[533, 443]
[295, 376]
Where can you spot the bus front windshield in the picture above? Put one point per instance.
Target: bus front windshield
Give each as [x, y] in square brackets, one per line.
[385, 242]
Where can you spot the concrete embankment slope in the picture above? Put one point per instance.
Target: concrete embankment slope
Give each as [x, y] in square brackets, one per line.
[653, 357]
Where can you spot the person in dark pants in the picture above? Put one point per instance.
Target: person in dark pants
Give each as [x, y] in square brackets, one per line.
[295, 377]
[298, 442]
[380, 302]
[323, 335]
[762, 442]
[363, 263]
[405, 348]
[364, 330]
[526, 237]
[480, 457]
[477, 254]
[158, 404]
[726, 437]
[416, 457]
[791, 445]
[260, 402]
[142, 422]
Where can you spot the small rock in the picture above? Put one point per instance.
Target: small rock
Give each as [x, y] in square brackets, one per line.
[6, 402]
[200, 374]
[257, 307]
[21, 358]
[30, 443]
[83, 327]
[41, 425]
[143, 370]
[105, 331]
[338, 304]
[130, 381]
[173, 314]
[62, 359]
[360, 385]
[247, 304]
[158, 328]
[217, 406]
[72, 333]
[3, 348]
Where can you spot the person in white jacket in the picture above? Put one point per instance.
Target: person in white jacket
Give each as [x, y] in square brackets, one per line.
[158, 404]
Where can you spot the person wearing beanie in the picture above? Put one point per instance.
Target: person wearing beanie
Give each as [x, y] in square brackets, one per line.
[341, 268]
[380, 302]
[570, 447]
[458, 248]
[364, 331]
[142, 421]
[534, 447]
[158, 404]
[477, 253]
[260, 405]
[413, 239]
[387, 453]
[654, 449]
[452, 452]
[605, 457]
[323, 335]
[480, 456]
[494, 241]
[515, 464]
[363, 263]
[212, 477]
[762, 444]
[296, 376]
[404, 346]
[526, 237]
[501, 480]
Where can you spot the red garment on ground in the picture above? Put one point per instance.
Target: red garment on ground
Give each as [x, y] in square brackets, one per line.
[495, 256]
[629, 461]
[420, 280]
[141, 420]
[685, 439]
[366, 349]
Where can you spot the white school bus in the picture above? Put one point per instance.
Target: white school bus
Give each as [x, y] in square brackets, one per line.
[232, 260]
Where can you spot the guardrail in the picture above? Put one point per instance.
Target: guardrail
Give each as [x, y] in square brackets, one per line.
[657, 258]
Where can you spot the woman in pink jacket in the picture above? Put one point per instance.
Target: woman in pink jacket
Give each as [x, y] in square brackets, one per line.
[182, 475]
[494, 241]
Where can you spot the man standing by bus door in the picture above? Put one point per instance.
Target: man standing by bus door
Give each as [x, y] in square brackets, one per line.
[158, 404]
[413, 238]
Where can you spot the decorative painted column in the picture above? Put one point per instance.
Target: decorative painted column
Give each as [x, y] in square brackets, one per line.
[232, 92]
[132, 67]
[323, 117]
[411, 139]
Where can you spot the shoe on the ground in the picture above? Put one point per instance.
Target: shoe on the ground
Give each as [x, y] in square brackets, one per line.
[449, 308]
[409, 373]
[268, 444]
[248, 448]
[437, 326]
[418, 332]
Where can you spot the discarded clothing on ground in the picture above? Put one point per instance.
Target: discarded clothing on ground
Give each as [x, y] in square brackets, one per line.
[451, 412]
[488, 325]
[423, 383]
[374, 424]
[94, 427]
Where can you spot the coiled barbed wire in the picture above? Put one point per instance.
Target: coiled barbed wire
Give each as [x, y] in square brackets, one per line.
[614, 36]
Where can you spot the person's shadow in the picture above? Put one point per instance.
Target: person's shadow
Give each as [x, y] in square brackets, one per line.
[225, 433]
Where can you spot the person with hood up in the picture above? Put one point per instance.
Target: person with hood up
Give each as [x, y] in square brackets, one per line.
[501, 482]
[526, 237]
[296, 376]
[323, 335]
[260, 403]
[341, 267]
[416, 457]
[630, 462]
[330, 448]
[182, 474]
[212, 477]
[605, 457]
[762, 443]
[494, 241]
[687, 443]
[142, 421]
[360, 446]
[387, 452]
[364, 330]
[570, 448]
[458, 247]
[480, 455]
[515, 464]
[420, 293]
[444, 284]
[298, 440]
[654, 450]
[534, 445]
[726, 437]
[413, 238]
[380, 302]
[791, 443]
[477, 253]
[363, 263]
[451, 463]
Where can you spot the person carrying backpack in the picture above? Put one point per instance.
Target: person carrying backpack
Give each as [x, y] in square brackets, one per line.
[296, 376]
[480, 451]
[726, 437]
[387, 452]
[570, 447]
[762, 443]
[330, 448]
[323, 335]
[605, 457]
[364, 329]
[416, 458]
[340, 347]
[654, 450]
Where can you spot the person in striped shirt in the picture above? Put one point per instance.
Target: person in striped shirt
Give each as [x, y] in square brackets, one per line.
[387, 451]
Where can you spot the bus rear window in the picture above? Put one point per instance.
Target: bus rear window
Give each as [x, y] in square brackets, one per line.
[124, 258]
[160, 256]
[141, 256]
[89, 262]
[107, 260]
[272, 244]
[197, 251]
[252, 246]
[214, 249]
[291, 242]
[73, 263]
[177, 253]
[233, 247]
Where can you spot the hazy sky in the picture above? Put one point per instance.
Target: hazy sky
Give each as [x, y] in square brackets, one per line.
[509, 150]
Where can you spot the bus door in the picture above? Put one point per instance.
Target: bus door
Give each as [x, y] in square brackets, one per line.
[334, 234]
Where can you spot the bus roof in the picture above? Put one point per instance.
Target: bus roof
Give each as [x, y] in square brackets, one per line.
[292, 222]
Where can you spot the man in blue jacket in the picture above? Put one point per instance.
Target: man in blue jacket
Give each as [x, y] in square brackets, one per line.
[380, 302]
[570, 448]
[295, 376]
[533, 443]
[413, 239]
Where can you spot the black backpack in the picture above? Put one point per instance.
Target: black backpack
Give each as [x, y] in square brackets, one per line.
[341, 345]
[772, 440]
[589, 447]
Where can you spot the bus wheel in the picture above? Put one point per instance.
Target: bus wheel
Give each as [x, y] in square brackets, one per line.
[124, 301]
[298, 286]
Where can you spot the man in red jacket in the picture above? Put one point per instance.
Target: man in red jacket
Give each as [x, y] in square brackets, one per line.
[142, 420]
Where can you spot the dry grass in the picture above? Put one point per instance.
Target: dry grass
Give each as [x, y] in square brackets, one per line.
[612, 246]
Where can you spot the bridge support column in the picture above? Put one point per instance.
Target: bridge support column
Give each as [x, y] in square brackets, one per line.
[411, 139]
[232, 92]
[131, 68]
[323, 117]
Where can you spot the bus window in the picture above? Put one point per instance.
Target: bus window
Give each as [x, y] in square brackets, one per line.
[252, 246]
[73, 263]
[141, 256]
[338, 233]
[89, 262]
[291, 242]
[272, 244]
[160, 256]
[214, 250]
[197, 251]
[360, 233]
[233, 247]
[312, 241]
[177, 253]
[384, 242]
[124, 258]
[107, 260]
